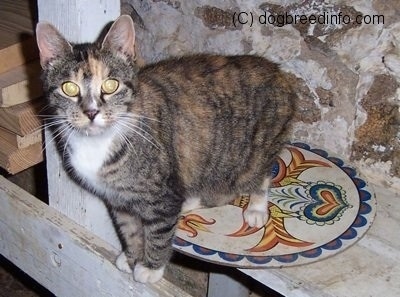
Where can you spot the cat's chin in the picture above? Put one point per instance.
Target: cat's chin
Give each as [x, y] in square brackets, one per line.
[93, 130]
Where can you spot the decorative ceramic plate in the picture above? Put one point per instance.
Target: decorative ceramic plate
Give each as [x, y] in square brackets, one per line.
[318, 207]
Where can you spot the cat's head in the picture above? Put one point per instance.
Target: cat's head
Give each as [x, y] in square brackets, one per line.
[89, 87]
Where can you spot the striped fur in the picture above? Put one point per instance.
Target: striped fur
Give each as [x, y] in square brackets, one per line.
[203, 126]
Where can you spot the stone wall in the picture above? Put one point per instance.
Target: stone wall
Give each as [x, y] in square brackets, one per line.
[343, 57]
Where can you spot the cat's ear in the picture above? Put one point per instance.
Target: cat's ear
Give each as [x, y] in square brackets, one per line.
[121, 36]
[50, 42]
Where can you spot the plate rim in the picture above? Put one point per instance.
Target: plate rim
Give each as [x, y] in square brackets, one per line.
[322, 252]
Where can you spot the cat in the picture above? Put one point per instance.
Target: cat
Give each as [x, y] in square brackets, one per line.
[155, 141]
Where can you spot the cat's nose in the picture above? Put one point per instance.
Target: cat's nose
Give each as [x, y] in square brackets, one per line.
[91, 113]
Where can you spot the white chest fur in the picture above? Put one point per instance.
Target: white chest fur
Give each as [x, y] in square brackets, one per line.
[88, 154]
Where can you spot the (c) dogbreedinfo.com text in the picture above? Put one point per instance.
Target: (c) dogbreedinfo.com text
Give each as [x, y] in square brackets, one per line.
[250, 18]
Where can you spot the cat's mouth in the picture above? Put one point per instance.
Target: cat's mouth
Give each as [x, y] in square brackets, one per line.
[93, 126]
[93, 129]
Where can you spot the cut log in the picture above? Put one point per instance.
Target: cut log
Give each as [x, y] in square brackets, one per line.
[20, 84]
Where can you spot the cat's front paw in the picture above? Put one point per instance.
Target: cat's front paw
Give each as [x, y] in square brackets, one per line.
[255, 218]
[143, 274]
[122, 263]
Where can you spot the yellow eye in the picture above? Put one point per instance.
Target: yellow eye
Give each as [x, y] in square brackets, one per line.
[70, 89]
[109, 86]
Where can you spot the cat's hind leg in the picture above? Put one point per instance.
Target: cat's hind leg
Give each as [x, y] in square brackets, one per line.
[256, 213]
[191, 203]
[209, 200]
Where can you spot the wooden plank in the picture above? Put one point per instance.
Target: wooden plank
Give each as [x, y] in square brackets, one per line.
[79, 21]
[18, 54]
[60, 254]
[369, 268]
[76, 203]
[20, 84]
[222, 285]
[22, 118]
[17, 44]
[15, 160]
[19, 142]
[16, 21]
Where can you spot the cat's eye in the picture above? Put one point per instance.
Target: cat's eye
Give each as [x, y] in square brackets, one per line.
[70, 89]
[109, 86]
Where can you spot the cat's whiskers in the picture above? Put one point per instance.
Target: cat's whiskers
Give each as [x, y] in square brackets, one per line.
[49, 121]
[131, 116]
[71, 132]
[138, 116]
[126, 123]
[48, 125]
[142, 123]
[56, 133]
[45, 107]
[50, 116]
[124, 138]
[139, 131]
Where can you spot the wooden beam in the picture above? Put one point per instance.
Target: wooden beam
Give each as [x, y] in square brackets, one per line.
[78, 21]
[20, 84]
[222, 285]
[15, 160]
[369, 268]
[62, 255]
[16, 21]
[18, 54]
[17, 45]
[18, 153]
[22, 118]
[18, 141]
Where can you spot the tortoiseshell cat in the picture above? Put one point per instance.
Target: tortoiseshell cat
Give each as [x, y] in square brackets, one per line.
[169, 137]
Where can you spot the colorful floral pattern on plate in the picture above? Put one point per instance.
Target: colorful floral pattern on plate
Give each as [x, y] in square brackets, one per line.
[318, 207]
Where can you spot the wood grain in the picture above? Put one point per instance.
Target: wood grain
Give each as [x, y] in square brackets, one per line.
[15, 160]
[22, 118]
[20, 141]
[20, 84]
[61, 254]
[18, 54]
[16, 21]
[371, 267]
[78, 21]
